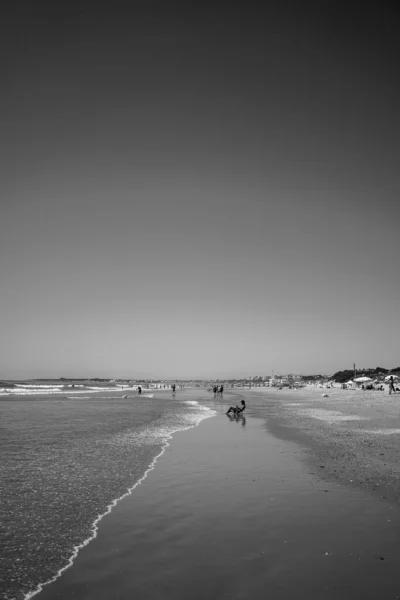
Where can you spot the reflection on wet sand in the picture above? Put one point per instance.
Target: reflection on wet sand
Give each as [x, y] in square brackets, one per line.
[238, 418]
[231, 512]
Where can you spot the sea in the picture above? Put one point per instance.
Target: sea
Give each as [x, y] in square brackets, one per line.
[69, 452]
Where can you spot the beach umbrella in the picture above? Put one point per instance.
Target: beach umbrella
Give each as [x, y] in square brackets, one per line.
[362, 379]
[394, 377]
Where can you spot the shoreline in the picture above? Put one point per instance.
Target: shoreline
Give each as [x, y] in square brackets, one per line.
[231, 511]
[192, 421]
[286, 449]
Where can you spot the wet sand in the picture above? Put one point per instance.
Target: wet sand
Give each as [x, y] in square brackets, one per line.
[352, 436]
[232, 511]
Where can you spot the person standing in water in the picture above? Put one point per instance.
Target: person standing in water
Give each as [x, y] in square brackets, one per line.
[139, 390]
[173, 387]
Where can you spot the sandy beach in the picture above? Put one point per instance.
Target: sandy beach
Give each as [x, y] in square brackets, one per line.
[233, 510]
[200, 203]
[352, 436]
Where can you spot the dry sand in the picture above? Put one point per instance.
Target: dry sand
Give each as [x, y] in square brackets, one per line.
[352, 436]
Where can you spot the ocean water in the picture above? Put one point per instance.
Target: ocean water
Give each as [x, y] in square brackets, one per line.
[65, 461]
[58, 387]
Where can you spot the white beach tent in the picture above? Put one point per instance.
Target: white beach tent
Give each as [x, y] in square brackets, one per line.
[362, 379]
[389, 376]
[350, 384]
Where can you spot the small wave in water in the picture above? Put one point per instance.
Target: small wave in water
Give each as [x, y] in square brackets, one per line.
[50, 390]
[65, 465]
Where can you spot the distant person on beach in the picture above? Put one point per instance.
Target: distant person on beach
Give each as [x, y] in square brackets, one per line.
[139, 390]
[173, 387]
[236, 410]
[215, 390]
[221, 389]
[391, 385]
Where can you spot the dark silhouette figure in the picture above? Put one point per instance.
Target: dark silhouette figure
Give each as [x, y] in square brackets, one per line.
[237, 410]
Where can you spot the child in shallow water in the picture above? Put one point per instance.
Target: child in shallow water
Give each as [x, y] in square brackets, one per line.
[236, 410]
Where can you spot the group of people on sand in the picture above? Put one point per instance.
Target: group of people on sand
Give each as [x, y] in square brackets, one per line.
[218, 389]
[232, 410]
[373, 386]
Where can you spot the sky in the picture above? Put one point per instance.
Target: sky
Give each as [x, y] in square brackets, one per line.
[192, 191]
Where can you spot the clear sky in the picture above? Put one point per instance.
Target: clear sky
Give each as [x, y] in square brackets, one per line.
[199, 192]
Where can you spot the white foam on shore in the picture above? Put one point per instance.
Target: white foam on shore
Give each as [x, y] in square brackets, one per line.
[188, 423]
[329, 416]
